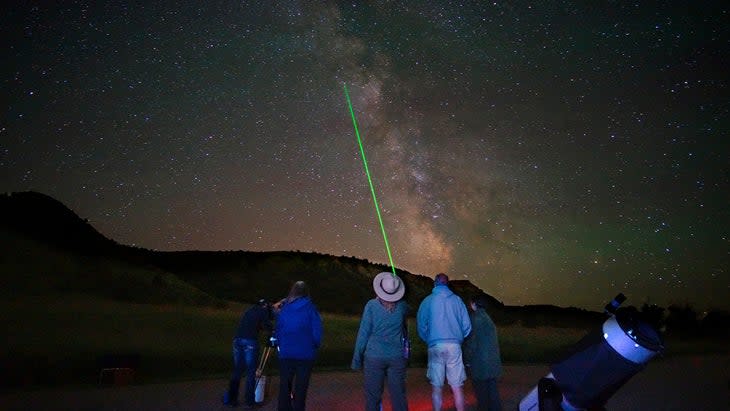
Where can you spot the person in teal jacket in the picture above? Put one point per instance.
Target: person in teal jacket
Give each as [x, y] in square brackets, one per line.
[379, 347]
[443, 323]
[481, 354]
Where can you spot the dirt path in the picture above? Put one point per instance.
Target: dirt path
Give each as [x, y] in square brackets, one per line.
[686, 383]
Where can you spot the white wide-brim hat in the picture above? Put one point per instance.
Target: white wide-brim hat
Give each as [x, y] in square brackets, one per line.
[389, 287]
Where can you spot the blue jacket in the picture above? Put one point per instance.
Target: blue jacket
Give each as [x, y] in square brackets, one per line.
[442, 317]
[299, 330]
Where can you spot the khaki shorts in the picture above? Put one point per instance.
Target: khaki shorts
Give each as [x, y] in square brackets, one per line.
[445, 362]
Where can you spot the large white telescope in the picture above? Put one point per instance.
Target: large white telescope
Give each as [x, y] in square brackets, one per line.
[599, 364]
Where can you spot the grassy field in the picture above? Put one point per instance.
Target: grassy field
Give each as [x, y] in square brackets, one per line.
[60, 341]
[54, 341]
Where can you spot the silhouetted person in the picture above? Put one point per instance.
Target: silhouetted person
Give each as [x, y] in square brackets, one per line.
[246, 351]
[481, 354]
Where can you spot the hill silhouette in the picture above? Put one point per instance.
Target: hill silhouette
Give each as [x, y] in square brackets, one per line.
[53, 250]
[46, 219]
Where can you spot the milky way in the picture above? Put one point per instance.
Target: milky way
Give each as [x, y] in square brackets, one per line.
[551, 153]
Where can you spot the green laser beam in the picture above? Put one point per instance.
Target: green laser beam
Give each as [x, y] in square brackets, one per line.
[370, 180]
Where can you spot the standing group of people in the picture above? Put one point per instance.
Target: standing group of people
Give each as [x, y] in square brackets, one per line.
[457, 339]
[446, 327]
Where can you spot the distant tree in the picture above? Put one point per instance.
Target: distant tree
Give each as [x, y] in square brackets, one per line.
[682, 320]
[654, 315]
[716, 324]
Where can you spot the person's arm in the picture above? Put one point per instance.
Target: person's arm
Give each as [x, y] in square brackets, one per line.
[280, 321]
[278, 305]
[316, 327]
[469, 347]
[465, 321]
[406, 308]
[422, 321]
[363, 333]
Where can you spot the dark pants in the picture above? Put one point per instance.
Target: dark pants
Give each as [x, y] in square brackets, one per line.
[487, 394]
[293, 381]
[376, 371]
[245, 355]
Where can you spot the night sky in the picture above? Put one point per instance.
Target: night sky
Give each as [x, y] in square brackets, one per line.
[550, 152]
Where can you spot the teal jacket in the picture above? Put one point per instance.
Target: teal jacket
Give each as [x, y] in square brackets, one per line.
[381, 332]
[481, 348]
[442, 317]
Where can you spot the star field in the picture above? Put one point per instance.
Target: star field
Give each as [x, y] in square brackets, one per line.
[552, 153]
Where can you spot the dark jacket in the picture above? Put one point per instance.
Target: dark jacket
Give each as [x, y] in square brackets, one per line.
[299, 330]
[255, 319]
[481, 348]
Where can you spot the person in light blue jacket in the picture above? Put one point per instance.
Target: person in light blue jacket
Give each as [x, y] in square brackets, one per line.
[443, 323]
[298, 334]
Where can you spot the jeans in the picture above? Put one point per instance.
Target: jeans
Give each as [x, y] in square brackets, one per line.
[245, 356]
[293, 382]
[376, 371]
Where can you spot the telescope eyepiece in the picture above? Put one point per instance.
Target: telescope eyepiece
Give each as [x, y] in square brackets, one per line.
[614, 304]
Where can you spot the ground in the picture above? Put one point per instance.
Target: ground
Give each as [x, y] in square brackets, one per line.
[681, 383]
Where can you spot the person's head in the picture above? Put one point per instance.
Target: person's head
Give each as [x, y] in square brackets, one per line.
[476, 302]
[299, 289]
[388, 287]
[441, 279]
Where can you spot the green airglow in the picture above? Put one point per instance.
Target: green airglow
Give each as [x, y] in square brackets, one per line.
[370, 180]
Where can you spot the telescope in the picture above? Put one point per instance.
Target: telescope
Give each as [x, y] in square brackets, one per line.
[598, 365]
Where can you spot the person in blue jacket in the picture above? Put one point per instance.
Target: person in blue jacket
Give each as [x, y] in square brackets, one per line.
[298, 333]
[443, 323]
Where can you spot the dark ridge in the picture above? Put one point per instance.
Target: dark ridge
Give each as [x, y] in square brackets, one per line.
[46, 219]
[339, 284]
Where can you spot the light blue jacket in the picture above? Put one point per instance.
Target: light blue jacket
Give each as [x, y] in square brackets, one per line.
[442, 317]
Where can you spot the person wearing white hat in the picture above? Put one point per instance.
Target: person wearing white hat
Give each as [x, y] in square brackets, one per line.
[379, 348]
